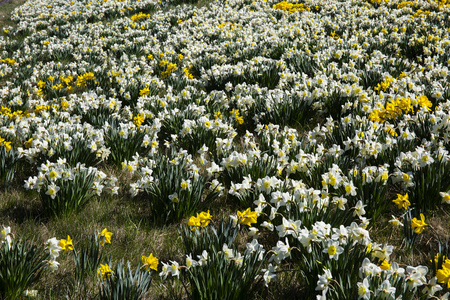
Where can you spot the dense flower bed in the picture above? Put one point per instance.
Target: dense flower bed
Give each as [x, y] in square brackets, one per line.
[310, 116]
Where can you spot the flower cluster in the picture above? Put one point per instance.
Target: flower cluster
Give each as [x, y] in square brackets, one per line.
[201, 220]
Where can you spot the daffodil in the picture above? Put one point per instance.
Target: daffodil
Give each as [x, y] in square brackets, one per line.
[150, 262]
[66, 245]
[445, 197]
[201, 219]
[194, 222]
[105, 237]
[402, 201]
[417, 225]
[396, 222]
[247, 217]
[105, 271]
[443, 275]
[385, 265]
[204, 218]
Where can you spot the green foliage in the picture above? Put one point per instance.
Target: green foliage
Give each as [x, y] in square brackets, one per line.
[333, 104]
[169, 176]
[372, 193]
[400, 283]
[124, 284]
[430, 180]
[80, 153]
[8, 164]
[291, 110]
[21, 265]
[123, 147]
[96, 117]
[409, 240]
[200, 136]
[72, 196]
[87, 260]
[226, 278]
[312, 213]
[256, 168]
[439, 257]
[345, 270]
[303, 64]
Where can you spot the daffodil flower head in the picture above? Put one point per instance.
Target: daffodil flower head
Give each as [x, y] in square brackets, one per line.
[200, 220]
[247, 217]
[204, 218]
[418, 225]
[105, 271]
[194, 222]
[105, 237]
[150, 262]
[402, 201]
[443, 275]
[66, 245]
[396, 222]
[385, 265]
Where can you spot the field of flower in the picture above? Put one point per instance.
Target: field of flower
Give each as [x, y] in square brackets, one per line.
[184, 149]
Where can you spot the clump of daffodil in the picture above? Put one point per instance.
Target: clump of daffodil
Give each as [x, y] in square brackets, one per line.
[105, 237]
[247, 217]
[200, 220]
[402, 201]
[150, 262]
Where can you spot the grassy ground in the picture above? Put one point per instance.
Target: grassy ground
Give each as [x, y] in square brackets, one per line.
[6, 7]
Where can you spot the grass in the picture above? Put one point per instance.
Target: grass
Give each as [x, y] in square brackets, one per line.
[6, 7]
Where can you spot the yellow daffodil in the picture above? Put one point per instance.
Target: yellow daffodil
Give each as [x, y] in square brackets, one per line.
[7, 146]
[105, 271]
[247, 217]
[66, 245]
[201, 219]
[417, 225]
[402, 201]
[385, 265]
[105, 237]
[150, 262]
[194, 222]
[443, 275]
[204, 218]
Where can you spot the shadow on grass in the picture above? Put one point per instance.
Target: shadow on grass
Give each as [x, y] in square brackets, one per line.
[18, 208]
